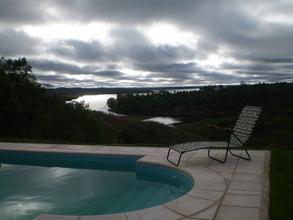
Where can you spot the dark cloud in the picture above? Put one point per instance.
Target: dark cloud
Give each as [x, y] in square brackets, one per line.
[19, 12]
[131, 44]
[109, 73]
[126, 11]
[148, 53]
[58, 67]
[269, 44]
[80, 50]
[253, 66]
[17, 43]
[61, 80]
[168, 68]
[277, 60]
[265, 76]
[191, 73]
[176, 52]
[53, 78]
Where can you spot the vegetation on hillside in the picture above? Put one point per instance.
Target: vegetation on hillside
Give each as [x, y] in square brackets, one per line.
[28, 112]
[273, 128]
[21, 98]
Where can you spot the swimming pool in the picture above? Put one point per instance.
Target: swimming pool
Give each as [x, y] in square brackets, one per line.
[35, 183]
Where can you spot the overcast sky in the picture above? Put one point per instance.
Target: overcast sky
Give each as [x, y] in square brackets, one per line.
[143, 43]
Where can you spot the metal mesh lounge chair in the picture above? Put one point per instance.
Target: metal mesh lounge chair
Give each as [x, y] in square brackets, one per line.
[239, 135]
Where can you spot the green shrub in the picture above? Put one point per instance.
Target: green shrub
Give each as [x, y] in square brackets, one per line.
[71, 122]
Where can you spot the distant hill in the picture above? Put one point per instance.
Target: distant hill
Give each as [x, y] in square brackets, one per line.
[95, 91]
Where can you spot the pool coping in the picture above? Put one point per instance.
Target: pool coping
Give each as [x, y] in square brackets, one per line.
[237, 189]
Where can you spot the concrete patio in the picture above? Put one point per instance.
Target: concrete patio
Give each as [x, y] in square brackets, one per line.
[238, 189]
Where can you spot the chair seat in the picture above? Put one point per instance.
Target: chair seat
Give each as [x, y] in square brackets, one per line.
[191, 146]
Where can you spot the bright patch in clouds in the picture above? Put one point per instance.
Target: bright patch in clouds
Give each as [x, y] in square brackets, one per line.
[158, 33]
[213, 61]
[278, 18]
[76, 31]
[164, 33]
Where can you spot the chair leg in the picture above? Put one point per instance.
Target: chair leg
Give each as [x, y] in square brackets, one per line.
[176, 164]
[214, 158]
[245, 158]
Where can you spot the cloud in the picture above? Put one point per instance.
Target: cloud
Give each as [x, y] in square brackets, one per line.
[128, 45]
[126, 11]
[17, 43]
[61, 80]
[277, 60]
[57, 67]
[79, 50]
[14, 12]
[109, 73]
[271, 43]
[169, 68]
[139, 43]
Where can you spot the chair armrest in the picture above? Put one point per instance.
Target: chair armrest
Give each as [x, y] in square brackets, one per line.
[213, 126]
[227, 129]
[240, 132]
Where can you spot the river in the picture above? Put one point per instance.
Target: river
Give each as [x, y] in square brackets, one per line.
[99, 103]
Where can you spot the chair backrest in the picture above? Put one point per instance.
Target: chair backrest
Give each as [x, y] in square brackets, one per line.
[245, 124]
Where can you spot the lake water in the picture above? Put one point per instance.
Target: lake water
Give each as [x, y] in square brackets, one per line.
[96, 102]
[99, 103]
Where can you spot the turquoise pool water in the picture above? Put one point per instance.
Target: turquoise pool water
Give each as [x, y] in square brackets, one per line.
[32, 184]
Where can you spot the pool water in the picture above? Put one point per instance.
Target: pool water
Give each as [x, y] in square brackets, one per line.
[82, 185]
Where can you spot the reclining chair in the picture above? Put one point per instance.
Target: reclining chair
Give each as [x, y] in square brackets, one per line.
[239, 135]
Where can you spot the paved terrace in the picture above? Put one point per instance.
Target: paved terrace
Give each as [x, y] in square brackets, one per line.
[238, 189]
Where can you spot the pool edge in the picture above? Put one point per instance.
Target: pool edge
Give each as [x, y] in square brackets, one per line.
[215, 194]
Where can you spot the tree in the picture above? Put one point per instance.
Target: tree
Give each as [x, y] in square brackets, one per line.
[20, 97]
[112, 103]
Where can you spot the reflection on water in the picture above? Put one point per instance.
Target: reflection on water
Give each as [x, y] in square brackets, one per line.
[164, 120]
[96, 102]
[29, 191]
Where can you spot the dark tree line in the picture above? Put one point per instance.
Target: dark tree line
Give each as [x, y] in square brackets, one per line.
[27, 112]
[209, 100]
[21, 97]
[274, 126]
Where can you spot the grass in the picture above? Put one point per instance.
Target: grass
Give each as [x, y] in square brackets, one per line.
[281, 180]
[139, 117]
[200, 127]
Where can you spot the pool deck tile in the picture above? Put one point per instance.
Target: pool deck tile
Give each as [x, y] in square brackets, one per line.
[188, 205]
[239, 213]
[119, 216]
[237, 189]
[56, 217]
[157, 212]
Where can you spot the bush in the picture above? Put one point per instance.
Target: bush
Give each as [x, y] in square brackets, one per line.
[71, 122]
